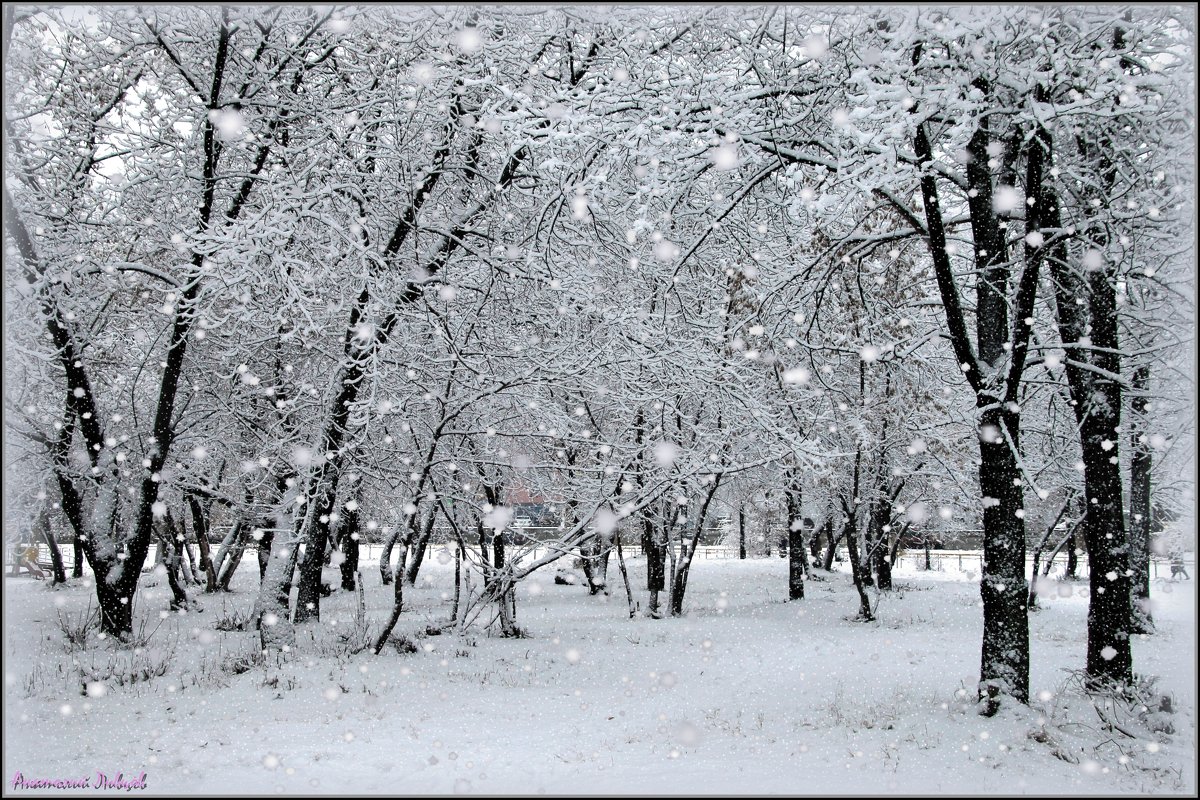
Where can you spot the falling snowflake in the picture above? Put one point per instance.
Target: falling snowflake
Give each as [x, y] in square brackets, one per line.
[469, 40]
[1006, 198]
[796, 375]
[229, 122]
[724, 157]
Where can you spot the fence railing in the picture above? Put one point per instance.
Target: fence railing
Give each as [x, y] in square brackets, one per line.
[939, 560]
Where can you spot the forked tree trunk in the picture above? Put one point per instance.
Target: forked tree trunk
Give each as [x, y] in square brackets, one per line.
[397, 602]
[200, 527]
[682, 569]
[831, 550]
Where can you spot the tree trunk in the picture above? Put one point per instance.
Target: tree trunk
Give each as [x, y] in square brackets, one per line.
[895, 549]
[171, 545]
[831, 551]
[1140, 508]
[385, 558]
[594, 553]
[231, 564]
[1072, 557]
[350, 546]
[995, 374]
[797, 552]
[458, 558]
[1097, 408]
[308, 593]
[878, 518]
[856, 573]
[679, 577]
[1005, 658]
[56, 559]
[741, 533]
[200, 527]
[656, 562]
[1037, 551]
[418, 549]
[397, 601]
[625, 576]
[265, 545]
[116, 606]
[853, 546]
[502, 586]
[271, 607]
[229, 555]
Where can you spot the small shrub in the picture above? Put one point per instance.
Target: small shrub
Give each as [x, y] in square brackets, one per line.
[403, 644]
[234, 620]
[140, 666]
[77, 629]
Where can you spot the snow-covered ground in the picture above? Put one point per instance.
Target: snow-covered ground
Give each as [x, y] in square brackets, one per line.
[747, 694]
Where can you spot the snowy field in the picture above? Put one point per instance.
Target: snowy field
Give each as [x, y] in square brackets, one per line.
[745, 694]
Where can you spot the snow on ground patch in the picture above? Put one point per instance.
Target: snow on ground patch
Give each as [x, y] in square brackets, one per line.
[764, 696]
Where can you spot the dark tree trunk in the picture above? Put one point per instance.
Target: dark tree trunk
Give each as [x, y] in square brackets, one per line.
[656, 561]
[895, 549]
[594, 554]
[77, 552]
[229, 554]
[883, 563]
[225, 577]
[1072, 557]
[385, 558]
[116, 607]
[458, 558]
[853, 546]
[994, 375]
[797, 552]
[397, 602]
[264, 552]
[1097, 405]
[56, 559]
[625, 576]
[741, 533]
[857, 570]
[308, 592]
[679, 578]
[879, 516]
[200, 527]
[418, 550]
[171, 546]
[1140, 508]
[349, 536]
[1037, 551]
[831, 550]
[502, 586]
[1004, 588]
